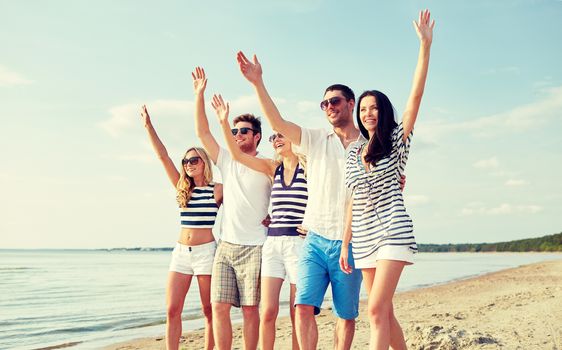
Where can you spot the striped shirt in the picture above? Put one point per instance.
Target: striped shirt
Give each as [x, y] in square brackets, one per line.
[288, 202]
[202, 208]
[379, 215]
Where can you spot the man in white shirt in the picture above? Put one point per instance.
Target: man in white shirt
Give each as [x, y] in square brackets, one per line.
[326, 153]
[235, 279]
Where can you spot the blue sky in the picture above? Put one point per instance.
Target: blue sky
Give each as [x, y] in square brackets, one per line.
[77, 170]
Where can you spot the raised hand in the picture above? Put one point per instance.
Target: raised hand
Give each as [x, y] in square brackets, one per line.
[222, 109]
[144, 115]
[199, 80]
[251, 70]
[424, 27]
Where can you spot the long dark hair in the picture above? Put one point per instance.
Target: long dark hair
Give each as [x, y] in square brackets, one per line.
[381, 144]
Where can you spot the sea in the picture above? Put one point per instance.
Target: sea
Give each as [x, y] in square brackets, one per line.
[89, 299]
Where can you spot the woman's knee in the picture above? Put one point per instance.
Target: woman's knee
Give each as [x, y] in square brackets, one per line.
[379, 311]
[270, 312]
[207, 311]
[174, 310]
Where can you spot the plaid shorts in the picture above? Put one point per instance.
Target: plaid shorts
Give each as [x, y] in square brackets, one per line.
[236, 275]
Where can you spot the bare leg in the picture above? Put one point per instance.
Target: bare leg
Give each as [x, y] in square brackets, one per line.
[251, 325]
[343, 334]
[270, 289]
[307, 330]
[222, 327]
[397, 341]
[292, 313]
[178, 285]
[205, 294]
[379, 305]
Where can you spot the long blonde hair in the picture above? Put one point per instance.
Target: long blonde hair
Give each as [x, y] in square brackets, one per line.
[186, 184]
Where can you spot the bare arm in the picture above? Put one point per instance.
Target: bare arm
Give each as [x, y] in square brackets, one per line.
[424, 30]
[262, 165]
[159, 148]
[253, 72]
[344, 255]
[201, 122]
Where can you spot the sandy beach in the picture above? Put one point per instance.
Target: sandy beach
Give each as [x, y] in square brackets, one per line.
[519, 308]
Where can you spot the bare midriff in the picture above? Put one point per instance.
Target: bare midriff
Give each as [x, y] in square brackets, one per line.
[195, 236]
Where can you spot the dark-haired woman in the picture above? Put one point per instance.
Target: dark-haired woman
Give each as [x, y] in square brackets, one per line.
[199, 199]
[378, 226]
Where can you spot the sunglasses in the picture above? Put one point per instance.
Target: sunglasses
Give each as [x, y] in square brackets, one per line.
[334, 101]
[274, 137]
[193, 160]
[243, 131]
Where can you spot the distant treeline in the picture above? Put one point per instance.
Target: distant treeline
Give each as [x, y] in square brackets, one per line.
[550, 243]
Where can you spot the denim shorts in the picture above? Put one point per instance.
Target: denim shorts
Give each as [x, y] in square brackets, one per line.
[318, 267]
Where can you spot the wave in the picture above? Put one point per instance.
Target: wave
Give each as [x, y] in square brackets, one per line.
[60, 346]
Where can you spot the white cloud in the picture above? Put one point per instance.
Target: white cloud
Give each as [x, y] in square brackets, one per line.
[135, 157]
[490, 163]
[502, 209]
[415, 200]
[127, 116]
[518, 119]
[10, 78]
[515, 182]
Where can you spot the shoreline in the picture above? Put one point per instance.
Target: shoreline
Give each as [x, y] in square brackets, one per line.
[514, 308]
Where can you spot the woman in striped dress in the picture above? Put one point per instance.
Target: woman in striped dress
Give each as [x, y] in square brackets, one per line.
[199, 200]
[282, 247]
[378, 226]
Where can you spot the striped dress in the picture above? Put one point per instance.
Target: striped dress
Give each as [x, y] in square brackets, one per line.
[202, 208]
[288, 202]
[379, 215]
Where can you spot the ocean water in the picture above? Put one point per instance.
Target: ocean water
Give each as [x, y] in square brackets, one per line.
[94, 298]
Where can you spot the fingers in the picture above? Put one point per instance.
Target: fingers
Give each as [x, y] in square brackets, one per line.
[199, 73]
[242, 58]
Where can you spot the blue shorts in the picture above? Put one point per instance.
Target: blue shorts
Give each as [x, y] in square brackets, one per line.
[319, 266]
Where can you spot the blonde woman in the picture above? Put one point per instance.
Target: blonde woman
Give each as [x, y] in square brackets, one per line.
[289, 196]
[199, 199]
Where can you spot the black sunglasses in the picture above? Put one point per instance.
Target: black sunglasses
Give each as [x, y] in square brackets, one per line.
[274, 137]
[334, 101]
[193, 160]
[243, 131]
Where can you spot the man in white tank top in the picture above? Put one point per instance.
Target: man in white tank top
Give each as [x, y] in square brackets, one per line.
[236, 269]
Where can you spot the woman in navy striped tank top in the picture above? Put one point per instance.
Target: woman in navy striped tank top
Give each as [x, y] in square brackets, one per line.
[199, 200]
[380, 229]
[281, 250]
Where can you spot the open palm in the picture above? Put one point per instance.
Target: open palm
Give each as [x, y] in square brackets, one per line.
[251, 70]
[424, 26]
[221, 108]
[199, 80]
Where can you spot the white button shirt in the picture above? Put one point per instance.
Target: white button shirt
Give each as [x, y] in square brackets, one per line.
[325, 172]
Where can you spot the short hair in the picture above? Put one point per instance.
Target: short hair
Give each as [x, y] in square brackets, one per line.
[345, 90]
[252, 119]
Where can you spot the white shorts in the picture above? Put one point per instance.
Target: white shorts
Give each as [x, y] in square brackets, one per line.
[193, 260]
[387, 252]
[280, 255]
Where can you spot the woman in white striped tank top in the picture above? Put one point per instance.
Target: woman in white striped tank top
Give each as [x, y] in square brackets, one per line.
[282, 247]
[378, 226]
[199, 199]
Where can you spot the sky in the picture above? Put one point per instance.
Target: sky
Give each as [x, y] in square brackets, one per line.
[77, 169]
